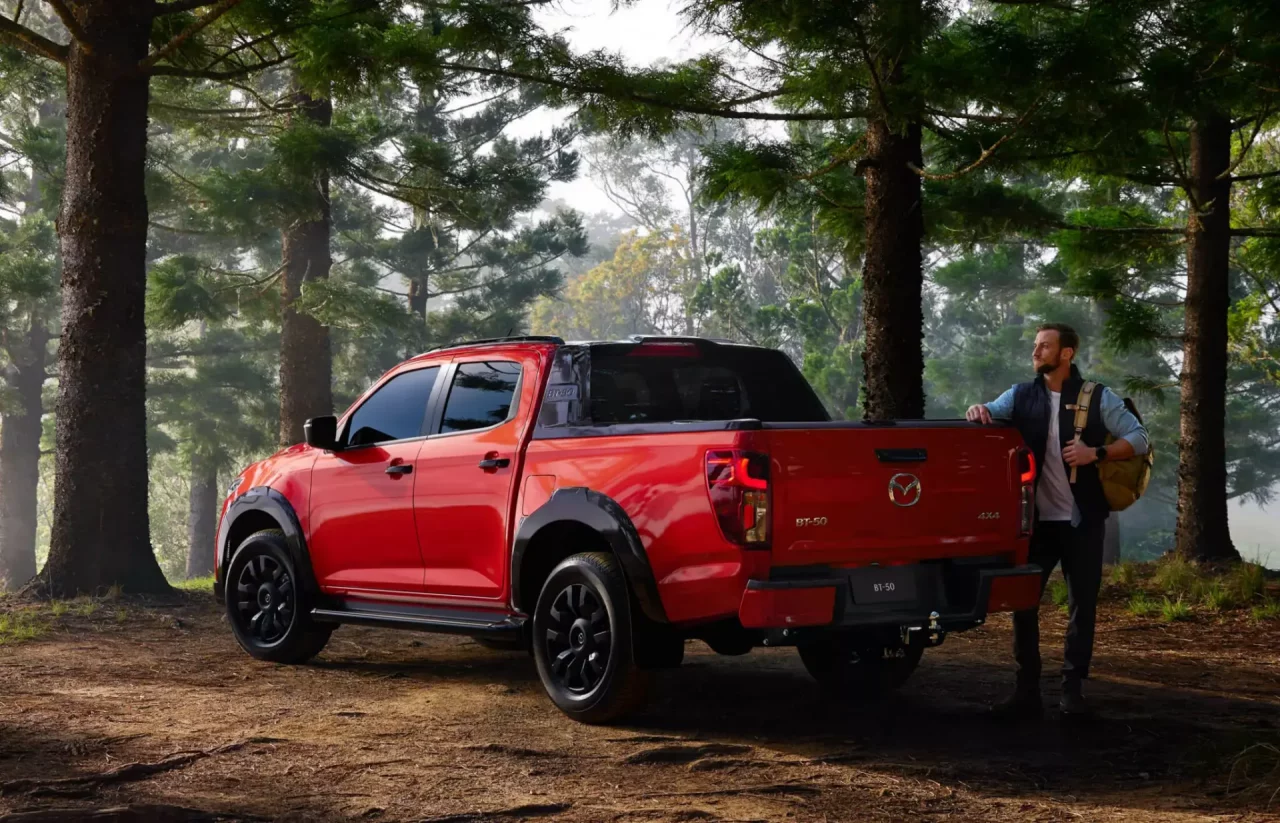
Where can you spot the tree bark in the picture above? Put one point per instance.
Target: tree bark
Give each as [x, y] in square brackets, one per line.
[202, 517]
[100, 527]
[306, 362]
[20, 460]
[1202, 531]
[892, 275]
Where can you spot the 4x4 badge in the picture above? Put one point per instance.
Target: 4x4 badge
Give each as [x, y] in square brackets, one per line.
[905, 489]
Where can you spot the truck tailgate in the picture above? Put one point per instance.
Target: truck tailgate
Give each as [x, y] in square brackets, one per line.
[855, 494]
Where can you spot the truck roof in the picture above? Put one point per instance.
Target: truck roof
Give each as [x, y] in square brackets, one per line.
[534, 340]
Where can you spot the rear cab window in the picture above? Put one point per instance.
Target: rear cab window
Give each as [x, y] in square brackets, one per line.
[669, 383]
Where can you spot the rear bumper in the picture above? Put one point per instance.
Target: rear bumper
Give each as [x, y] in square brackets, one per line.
[961, 598]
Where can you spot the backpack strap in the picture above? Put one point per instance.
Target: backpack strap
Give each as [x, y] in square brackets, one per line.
[1082, 414]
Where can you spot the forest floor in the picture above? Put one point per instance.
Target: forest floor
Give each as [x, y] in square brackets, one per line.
[391, 726]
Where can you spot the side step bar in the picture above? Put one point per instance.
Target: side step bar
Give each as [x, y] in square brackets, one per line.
[448, 621]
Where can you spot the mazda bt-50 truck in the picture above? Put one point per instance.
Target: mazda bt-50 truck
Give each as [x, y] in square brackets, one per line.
[601, 503]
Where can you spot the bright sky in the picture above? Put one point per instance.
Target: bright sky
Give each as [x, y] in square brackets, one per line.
[643, 33]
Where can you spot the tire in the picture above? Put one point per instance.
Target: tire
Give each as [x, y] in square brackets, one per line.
[853, 665]
[266, 606]
[582, 640]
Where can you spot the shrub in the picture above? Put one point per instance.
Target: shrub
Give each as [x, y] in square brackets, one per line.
[1175, 575]
[1216, 597]
[1174, 610]
[1248, 580]
[1124, 574]
[1269, 610]
[1142, 606]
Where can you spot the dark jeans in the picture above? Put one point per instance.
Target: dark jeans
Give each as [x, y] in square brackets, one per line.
[1079, 549]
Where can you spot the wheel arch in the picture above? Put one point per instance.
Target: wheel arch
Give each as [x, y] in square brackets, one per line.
[574, 520]
[256, 510]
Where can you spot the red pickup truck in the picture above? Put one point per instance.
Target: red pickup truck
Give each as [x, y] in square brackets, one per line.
[601, 503]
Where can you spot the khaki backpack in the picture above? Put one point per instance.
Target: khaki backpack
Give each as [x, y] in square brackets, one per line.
[1123, 481]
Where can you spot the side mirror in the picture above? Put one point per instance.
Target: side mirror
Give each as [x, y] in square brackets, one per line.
[322, 432]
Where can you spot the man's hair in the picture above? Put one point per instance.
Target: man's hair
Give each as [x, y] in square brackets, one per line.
[1067, 336]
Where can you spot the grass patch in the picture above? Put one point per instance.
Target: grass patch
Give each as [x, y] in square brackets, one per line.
[195, 584]
[1217, 597]
[1060, 594]
[1172, 611]
[1124, 574]
[1140, 605]
[19, 627]
[1267, 611]
[59, 607]
[1177, 576]
[122, 615]
[86, 608]
[1248, 581]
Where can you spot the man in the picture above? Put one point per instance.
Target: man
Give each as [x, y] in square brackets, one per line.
[1070, 516]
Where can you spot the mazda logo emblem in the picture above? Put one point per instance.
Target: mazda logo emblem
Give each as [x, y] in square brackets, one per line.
[904, 489]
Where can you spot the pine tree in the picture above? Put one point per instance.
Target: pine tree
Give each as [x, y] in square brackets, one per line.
[30, 148]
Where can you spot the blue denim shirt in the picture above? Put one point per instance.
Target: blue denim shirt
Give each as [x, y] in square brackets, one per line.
[1119, 421]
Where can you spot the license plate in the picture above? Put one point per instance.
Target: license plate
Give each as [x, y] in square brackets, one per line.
[890, 584]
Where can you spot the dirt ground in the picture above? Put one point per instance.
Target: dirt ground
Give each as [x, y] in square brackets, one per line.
[399, 726]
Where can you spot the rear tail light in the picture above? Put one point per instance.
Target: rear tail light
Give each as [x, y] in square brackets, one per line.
[1027, 476]
[1026, 465]
[738, 484]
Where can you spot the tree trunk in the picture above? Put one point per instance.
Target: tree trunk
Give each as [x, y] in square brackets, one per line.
[202, 517]
[100, 528]
[418, 295]
[892, 275]
[306, 365]
[1202, 531]
[20, 461]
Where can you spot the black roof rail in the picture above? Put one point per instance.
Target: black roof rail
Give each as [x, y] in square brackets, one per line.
[493, 341]
[675, 338]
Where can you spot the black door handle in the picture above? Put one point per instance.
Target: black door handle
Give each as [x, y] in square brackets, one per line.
[495, 462]
[400, 468]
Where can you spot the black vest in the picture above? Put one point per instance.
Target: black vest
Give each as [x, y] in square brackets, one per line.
[1031, 414]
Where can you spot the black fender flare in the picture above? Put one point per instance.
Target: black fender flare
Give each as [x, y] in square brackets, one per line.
[603, 515]
[271, 502]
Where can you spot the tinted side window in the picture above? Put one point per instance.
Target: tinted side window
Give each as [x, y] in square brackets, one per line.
[481, 395]
[395, 411]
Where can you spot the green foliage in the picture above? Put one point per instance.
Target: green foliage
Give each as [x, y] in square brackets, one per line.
[1269, 610]
[195, 584]
[20, 626]
[1248, 581]
[1059, 593]
[1124, 575]
[1141, 605]
[1217, 598]
[1176, 575]
[1172, 611]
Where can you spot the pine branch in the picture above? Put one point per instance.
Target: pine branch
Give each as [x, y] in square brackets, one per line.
[179, 6]
[1244, 149]
[1259, 176]
[222, 7]
[230, 74]
[73, 25]
[649, 100]
[871, 67]
[987, 153]
[30, 42]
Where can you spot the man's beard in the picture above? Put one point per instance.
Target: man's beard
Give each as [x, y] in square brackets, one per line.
[1047, 367]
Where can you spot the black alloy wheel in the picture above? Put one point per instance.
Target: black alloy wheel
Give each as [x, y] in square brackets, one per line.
[265, 600]
[578, 639]
[266, 604]
[582, 640]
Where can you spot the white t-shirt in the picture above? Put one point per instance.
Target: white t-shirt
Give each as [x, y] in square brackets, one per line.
[1053, 494]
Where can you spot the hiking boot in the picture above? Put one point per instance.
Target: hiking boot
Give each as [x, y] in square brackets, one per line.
[1073, 703]
[1024, 704]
